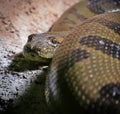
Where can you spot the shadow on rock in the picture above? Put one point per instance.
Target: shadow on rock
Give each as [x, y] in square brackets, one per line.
[20, 64]
[32, 101]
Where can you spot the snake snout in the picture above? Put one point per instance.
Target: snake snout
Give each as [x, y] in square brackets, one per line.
[27, 48]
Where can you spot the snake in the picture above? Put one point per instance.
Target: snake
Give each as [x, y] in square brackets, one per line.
[83, 48]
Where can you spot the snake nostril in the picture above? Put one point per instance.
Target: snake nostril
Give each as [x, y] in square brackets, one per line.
[33, 54]
[27, 47]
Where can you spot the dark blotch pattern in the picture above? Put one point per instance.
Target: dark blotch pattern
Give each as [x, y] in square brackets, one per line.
[99, 6]
[111, 91]
[105, 45]
[94, 7]
[77, 14]
[111, 25]
[108, 102]
[78, 55]
[72, 58]
[67, 20]
[117, 2]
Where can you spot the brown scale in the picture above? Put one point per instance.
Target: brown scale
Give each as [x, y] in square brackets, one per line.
[71, 18]
[84, 77]
[85, 71]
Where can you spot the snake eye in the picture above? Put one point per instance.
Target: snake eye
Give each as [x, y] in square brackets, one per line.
[53, 40]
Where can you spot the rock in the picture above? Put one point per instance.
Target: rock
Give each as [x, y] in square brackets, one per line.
[21, 88]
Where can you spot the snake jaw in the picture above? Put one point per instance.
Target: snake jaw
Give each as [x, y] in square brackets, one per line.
[40, 47]
[34, 56]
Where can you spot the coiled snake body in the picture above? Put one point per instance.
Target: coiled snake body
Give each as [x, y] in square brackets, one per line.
[84, 76]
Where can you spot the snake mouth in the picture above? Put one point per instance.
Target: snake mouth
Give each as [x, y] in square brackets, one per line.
[34, 57]
[37, 55]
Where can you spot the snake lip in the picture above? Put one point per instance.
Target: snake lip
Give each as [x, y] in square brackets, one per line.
[36, 58]
[33, 55]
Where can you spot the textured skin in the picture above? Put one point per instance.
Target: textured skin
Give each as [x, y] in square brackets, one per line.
[82, 11]
[84, 76]
[42, 48]
[85, 72]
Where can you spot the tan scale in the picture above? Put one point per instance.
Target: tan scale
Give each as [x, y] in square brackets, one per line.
[87, 77]
[83, 77]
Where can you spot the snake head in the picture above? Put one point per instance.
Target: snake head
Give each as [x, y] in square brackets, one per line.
[41, 47]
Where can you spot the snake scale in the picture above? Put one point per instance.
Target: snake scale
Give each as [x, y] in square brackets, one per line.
[84, 75]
